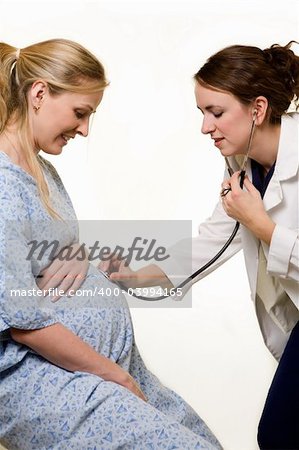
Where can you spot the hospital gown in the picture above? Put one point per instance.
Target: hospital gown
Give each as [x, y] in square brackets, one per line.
[43, 406]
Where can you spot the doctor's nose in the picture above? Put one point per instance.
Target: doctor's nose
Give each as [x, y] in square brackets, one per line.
[208, 125]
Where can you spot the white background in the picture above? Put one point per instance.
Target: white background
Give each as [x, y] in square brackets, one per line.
[146, 159]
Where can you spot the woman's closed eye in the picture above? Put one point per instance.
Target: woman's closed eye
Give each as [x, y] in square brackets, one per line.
[80, 114]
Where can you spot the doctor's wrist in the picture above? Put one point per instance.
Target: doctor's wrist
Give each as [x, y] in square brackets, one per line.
[263, 228]
[151, 275]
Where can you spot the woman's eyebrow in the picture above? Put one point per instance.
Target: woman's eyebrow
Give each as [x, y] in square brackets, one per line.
[87, 106]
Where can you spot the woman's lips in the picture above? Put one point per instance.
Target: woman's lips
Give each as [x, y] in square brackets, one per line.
[217, 141]
[65, 138]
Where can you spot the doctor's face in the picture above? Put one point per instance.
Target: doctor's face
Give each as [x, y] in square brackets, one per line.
[225, 119]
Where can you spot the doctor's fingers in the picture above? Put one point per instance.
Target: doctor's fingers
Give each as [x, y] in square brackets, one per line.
[123, 273]
[225, 188]
[232, 183]
[110, 263]
[104, 266]
[235, 182]
[225, 183]
[249, 186]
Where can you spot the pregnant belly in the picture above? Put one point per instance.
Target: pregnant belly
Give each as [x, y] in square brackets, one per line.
[99, 315]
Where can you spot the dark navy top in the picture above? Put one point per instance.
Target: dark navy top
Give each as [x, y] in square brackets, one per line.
[259, 180]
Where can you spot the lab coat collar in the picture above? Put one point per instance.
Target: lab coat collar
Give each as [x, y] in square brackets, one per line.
[286, 162]
[287, 156]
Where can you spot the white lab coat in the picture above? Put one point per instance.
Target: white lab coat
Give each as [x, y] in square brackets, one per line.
[277, 312]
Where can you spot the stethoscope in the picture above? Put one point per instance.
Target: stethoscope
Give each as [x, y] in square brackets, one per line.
[223, 193]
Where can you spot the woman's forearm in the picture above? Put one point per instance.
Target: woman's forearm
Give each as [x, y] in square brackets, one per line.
[63, 348]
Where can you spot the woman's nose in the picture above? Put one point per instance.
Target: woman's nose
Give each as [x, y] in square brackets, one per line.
[82, 129]
[208, 125]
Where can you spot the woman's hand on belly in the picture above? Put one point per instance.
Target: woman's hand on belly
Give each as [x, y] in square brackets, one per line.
[66, 272]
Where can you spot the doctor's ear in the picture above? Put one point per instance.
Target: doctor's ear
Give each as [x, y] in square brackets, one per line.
[260, 109]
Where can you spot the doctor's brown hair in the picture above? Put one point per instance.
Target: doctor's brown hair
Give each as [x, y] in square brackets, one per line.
[247, 72]
[65, 66]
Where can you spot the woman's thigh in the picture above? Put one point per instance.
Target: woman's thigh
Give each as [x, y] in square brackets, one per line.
[46, 407]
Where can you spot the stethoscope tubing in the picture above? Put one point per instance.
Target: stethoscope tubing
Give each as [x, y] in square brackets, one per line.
[221, 251]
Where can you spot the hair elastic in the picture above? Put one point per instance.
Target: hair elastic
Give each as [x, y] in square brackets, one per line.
[15, 61]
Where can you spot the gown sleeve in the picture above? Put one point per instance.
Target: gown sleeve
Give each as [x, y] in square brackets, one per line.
[21, 303]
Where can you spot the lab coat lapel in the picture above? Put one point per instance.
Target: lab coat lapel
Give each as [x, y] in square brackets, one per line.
[273, 195]
[287, 160]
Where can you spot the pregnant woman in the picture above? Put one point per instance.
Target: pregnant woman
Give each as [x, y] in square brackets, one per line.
[71, 376]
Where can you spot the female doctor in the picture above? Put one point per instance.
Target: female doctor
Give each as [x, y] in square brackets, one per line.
[244, 92]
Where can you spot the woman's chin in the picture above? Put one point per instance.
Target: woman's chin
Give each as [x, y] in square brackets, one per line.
[229, 152]
[55, 150]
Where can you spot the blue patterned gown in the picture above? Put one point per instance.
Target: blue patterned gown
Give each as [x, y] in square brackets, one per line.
[43, 406]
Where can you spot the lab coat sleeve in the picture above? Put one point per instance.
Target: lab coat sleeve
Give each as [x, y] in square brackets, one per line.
[188, 255]
[283, 258]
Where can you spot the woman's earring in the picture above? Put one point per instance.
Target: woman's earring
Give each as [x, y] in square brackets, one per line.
[36, 108]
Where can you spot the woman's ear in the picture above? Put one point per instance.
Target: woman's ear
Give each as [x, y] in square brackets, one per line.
[37, 93]
[260, 109]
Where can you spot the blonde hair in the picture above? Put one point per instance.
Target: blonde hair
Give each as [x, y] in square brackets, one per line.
[65, 66]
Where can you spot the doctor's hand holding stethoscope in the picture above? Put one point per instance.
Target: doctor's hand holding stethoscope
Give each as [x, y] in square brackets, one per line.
[246, 206]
